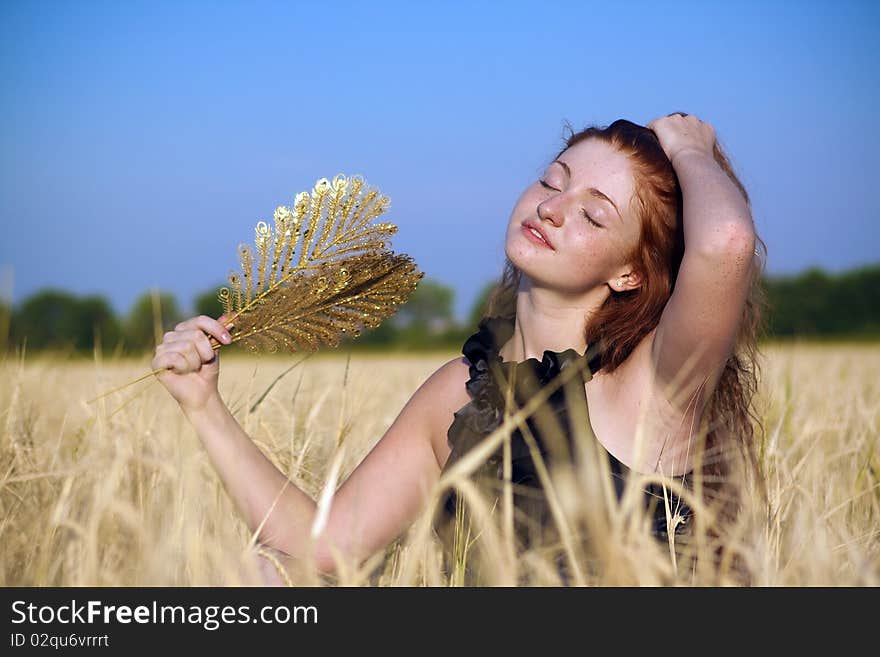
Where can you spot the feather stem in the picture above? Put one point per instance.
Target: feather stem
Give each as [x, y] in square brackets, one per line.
[263, 237]
[309, 233]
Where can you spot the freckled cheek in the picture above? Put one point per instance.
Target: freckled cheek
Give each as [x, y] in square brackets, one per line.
[586, 245]
[590, 253]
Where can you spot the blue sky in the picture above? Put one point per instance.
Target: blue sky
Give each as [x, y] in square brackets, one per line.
[140, 142]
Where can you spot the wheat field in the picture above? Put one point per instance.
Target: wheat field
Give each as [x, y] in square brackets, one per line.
[121, 493]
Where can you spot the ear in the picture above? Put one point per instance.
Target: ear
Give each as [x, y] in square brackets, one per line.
[626, 281]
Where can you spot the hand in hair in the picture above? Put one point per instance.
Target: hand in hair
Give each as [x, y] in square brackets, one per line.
[678, 133]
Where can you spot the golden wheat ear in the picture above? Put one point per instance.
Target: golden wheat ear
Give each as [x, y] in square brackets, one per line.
[322, 273]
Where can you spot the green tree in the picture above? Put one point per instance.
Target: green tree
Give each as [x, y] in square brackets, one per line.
[817, 303]
[47, 318]
[56, 319]
[859, 291]
[386, 334]
[5, 324]
[207, 303]
[94, 318]
[153, 313]
[479, 306]
[428, 309]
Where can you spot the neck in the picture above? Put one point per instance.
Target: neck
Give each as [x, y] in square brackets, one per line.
[548, 320]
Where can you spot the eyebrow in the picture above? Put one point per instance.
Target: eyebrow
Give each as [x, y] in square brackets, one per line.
[592, 190]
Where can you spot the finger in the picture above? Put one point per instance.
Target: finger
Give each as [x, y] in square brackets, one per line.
[171, 336]
[179, 363]
[203, 347]
[183, 335]
[180, 341]
[210, 326]
[170, 360]
[180, 355]
[190, 353]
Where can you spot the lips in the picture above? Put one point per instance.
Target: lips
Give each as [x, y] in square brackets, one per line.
[529, 224]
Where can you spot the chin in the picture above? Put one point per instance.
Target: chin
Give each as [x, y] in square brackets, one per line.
[542, 272]
[523, 254]
[526, 262]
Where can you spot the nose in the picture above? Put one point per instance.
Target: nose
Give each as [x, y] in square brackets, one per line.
[550, 211]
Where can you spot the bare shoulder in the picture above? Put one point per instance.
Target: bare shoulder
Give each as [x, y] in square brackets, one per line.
[439, 397]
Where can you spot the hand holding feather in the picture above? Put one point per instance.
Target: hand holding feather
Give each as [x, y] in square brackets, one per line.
[321, 274]
[188, 363]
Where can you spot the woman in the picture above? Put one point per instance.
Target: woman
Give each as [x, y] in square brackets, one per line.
[634, 251]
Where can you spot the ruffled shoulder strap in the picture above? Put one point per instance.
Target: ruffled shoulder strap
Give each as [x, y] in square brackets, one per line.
[494, 332]
[484, 413]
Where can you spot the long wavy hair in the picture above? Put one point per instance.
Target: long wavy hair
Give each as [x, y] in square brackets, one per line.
[627, 317]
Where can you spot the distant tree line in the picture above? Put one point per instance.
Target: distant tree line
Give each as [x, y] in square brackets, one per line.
[815, 303]
[56, 319]
[810, 304]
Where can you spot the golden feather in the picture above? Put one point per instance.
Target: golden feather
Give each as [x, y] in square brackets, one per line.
[321, 273]
[322, 306]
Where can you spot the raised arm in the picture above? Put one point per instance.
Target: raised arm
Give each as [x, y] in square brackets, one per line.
[699, 325]
[377, 502]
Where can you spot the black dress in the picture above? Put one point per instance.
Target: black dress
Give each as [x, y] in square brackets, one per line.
[551, 424]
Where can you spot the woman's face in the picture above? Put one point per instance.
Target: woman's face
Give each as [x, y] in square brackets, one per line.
[588, 235]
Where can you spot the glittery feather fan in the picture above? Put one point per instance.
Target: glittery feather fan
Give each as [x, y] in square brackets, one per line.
[321, 273]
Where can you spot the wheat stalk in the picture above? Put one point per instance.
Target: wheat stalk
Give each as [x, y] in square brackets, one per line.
[321, 273]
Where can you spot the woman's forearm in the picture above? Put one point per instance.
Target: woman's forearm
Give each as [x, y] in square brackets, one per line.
[714, 208]
[253, 481]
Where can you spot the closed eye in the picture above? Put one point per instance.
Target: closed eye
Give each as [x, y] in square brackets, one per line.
[584, 212]
[590, 219]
